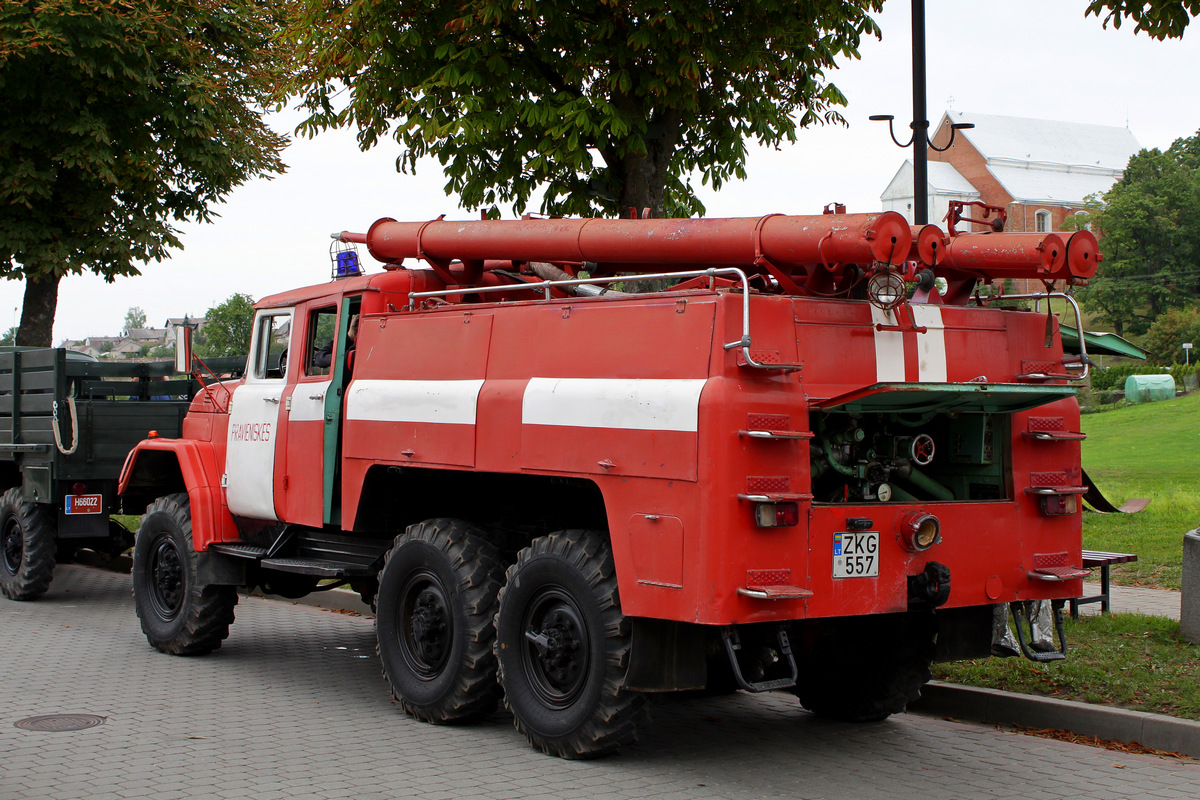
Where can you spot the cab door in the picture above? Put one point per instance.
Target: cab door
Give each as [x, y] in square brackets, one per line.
[254, 419]
[301, 486]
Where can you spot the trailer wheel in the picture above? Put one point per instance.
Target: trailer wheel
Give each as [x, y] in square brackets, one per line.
[27, 537]
[433, 623]
[563, 646]
[180, 614]
[869, 669]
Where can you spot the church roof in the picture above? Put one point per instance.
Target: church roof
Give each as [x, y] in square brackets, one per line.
[1048, 142]
[1046, 161]
[943, 179]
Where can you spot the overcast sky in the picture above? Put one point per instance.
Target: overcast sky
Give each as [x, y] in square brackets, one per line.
[1024, 58]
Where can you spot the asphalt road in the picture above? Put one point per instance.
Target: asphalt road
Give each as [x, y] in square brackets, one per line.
[294, 706]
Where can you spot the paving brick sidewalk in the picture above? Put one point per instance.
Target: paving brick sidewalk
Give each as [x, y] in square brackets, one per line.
[1129, 599]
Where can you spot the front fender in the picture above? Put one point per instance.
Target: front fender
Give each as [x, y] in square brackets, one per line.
[157, 467]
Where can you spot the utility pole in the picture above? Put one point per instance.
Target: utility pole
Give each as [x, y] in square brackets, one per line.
[920, 125]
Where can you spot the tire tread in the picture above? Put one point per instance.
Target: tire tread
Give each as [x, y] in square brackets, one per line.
[477, 565]
[618, 714]
[209, 609]
[32, 579]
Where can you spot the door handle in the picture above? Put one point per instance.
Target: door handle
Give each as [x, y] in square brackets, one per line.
[274, 400]
[316, 397]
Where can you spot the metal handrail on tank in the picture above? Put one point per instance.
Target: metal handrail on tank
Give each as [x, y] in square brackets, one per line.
[547, 285]
[1037, 298]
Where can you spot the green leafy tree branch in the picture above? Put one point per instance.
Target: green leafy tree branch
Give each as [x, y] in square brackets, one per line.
[121, 120]
[605, 105]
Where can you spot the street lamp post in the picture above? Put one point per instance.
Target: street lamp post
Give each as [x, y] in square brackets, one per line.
[920, 124]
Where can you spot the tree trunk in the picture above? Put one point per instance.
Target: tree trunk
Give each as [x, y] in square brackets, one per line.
[37, 313]
[643, 181]
[643, 176]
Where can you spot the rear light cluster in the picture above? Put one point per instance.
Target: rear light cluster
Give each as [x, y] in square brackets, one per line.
[1056, 505]
[777, 515]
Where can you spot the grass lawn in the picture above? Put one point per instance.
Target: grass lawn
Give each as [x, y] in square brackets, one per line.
[1127, 660]
[1150, 450]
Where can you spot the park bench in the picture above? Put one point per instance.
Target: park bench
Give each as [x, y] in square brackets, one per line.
[1096, 558]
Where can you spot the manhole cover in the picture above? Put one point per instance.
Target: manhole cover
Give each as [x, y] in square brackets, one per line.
[55, 723]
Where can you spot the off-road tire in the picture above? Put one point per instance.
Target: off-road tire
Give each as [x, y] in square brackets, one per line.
[873, 668]
[433, 623]
[180, 615]
[563, 647]
[27, 547]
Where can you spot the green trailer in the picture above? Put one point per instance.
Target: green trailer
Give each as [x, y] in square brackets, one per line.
[67, 421]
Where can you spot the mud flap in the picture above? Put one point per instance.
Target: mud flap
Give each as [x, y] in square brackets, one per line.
[1100, 503]
[1036, 622]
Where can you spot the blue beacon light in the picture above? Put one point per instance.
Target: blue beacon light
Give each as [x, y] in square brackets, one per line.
[346, 263]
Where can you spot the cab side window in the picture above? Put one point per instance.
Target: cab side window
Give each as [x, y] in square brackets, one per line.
[319, 354]
[271, 338]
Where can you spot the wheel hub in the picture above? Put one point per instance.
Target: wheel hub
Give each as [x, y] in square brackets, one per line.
[557, 654]
[167, 578]
[562, 643]
[425, 626]
[14, 546]
[428, 626]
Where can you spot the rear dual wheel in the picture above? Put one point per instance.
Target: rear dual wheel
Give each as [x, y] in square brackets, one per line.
[434, 608]
[553, 636]
[563, 647]
[869, 668]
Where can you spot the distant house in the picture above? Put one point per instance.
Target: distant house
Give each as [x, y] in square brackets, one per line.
[196, 325]
[100, 345]
[154, 337]
[1039, 171]
[945, 184]
[126, 348]
[78, 345]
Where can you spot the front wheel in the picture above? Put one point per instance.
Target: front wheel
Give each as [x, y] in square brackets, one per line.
[27, 537]
[179, 613]
[563, 647]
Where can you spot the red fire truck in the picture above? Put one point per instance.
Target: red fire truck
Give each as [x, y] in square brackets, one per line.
[820, 460]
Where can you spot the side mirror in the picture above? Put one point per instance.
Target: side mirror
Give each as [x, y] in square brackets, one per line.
[183, 349]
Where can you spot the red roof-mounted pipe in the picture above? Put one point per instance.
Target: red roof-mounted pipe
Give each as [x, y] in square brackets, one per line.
[1083, 253]
[1040, 256]
[646, 244]
[929, 244]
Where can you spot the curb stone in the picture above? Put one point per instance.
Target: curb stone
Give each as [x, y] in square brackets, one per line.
[1009, 708]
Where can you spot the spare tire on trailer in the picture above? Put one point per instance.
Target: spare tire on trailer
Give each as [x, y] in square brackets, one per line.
[27, 545]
